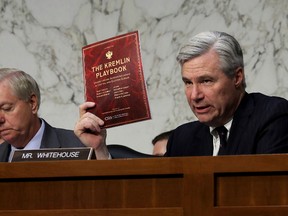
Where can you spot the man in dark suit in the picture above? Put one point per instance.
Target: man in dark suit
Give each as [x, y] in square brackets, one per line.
[230, 121]
[213, 74]
[20, 126]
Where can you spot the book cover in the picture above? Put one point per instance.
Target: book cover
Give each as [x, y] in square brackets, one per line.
[114, 80]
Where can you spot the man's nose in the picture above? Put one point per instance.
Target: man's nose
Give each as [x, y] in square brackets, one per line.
[196, 93]
[2, 119]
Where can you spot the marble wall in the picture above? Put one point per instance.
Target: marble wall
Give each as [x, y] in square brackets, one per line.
[45, 37]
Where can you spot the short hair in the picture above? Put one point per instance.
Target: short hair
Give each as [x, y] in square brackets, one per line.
[22, 84]
[225, 45]
[162, 136]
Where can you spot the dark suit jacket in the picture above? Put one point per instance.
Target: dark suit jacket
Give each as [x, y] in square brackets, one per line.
[52, 138]
[260, 126]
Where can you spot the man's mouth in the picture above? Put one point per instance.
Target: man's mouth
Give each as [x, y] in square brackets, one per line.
[201, 109]
[4, 131]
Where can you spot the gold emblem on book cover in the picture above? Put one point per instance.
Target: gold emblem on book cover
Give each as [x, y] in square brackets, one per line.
[109, 54]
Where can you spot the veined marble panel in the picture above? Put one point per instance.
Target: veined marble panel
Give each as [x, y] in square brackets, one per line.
[44, 38]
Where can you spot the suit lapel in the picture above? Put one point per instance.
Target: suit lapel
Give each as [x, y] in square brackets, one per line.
[239, 124]
[49, 139]
[5, 149]
[204, 141]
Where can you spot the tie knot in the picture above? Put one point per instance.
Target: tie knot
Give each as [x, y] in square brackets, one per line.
[222, 131]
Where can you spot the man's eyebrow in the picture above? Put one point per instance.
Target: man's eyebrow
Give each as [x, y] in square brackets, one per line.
[205, 76]
[184, 79]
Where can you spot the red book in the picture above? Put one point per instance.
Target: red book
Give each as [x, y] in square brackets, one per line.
[114, 80]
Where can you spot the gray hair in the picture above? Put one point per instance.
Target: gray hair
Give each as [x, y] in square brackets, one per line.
[225, 45]
[22, 84]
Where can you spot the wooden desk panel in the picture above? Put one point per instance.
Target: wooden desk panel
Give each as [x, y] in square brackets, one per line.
[246, 189]
[91, 192]
[200, 186]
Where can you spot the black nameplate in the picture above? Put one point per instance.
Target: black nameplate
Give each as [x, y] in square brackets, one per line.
[50, 154]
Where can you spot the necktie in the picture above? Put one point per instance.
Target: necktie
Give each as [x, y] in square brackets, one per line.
[222, 132]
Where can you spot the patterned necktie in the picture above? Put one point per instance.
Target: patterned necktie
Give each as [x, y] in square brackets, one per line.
[222, 132]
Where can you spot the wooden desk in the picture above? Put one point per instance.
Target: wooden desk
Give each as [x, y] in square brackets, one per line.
[190, 186]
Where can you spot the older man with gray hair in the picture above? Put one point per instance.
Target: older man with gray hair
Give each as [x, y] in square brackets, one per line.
[20, 125]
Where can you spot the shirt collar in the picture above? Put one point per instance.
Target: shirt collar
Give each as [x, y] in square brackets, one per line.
[227, 126]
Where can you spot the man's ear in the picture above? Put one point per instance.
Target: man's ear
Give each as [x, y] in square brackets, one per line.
[239, 77]
[34, 103]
